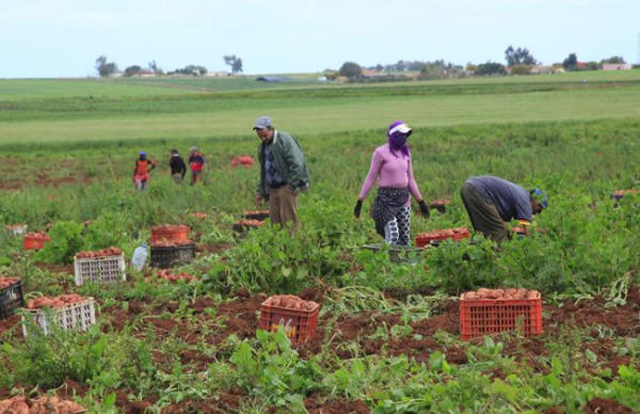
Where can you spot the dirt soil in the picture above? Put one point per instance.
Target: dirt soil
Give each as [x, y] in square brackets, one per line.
[215, 322]
[605, 406]
[319, 404]
[43, 177]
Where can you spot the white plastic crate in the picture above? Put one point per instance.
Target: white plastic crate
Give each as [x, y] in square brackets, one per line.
[79, 316]
[104, 269]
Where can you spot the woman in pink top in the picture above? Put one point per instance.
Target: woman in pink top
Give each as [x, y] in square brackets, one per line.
[391, 165]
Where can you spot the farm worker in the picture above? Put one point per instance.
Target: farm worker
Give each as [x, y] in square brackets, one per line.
[196, 162]
[141, 171]
[283, 172]
[178, 167]
[491, 201]
[391, 166]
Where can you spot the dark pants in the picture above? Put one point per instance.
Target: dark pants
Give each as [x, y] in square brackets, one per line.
[483, 214]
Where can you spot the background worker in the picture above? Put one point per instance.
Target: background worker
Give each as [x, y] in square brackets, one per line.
[141, 171]
[283, 172]
[178, 167]
[492, 201]
[197, 164]
[391, 166]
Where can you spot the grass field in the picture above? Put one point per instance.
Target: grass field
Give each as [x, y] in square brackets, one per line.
[127, 112]
[388, 334]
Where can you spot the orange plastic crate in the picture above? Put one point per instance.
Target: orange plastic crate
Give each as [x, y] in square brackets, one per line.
[169, 233]
[35, 241]
[299, 325]
[457, 234]
[480, 317]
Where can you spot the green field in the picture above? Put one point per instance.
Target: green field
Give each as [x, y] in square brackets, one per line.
[119, 111]
[388, 333]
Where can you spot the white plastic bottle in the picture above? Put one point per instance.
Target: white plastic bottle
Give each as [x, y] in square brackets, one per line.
[139, 257]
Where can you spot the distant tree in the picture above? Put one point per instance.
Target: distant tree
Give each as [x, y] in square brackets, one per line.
[193, 70]
[351, 70]
[519, 56]
[105, 68]
[439, 69]
[520, 69]
[379, 67]
[593, 65]
[153, 67]
[613, 59]
[132, 70]
[471, 67]
[491, 69]
[235, 63]
[571, 62]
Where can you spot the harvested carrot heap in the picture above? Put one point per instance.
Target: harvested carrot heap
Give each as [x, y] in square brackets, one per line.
[20, 404]
[111, 251]
[54, 302]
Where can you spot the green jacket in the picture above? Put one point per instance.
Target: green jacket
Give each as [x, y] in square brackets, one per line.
[289, 161]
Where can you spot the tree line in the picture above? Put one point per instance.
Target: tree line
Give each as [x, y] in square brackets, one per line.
[519, 61]
[106, 68]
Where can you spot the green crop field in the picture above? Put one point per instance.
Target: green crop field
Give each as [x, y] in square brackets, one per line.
[388, 336]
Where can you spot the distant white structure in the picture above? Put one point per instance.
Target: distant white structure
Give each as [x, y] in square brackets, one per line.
[541, 69]
[218, 73]
[616, 66]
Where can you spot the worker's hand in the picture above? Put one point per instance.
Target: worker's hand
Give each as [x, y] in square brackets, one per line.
[259, 200]
[424, 209]
[357, 208]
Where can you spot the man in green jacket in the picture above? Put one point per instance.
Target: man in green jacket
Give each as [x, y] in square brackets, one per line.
[283, 172]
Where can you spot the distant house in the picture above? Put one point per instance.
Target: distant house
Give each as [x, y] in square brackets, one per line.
[218, 73]
[581, 65]
[616, 66]
[539, 69]
[368, 73]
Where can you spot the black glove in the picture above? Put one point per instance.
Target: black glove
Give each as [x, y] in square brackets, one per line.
[424, 209]
[357, 208]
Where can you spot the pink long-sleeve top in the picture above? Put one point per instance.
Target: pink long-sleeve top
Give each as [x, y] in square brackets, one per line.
[392, 170]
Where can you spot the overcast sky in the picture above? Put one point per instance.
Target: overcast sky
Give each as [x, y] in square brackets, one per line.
[63, 38]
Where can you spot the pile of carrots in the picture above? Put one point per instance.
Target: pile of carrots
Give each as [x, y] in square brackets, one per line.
[111, 251]
[501, 294]
[7, 281]
[42, 405]
[446, 233]
[290, 302]
[171, 243]
[250, 223]
[198, 215]
[39, 235]
[54, 302]
[623, 192]
[170, 235]
[167, 275]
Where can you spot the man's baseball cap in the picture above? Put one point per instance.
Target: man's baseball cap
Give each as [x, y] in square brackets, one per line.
[194, 148]
[540, 196]
[143, 153]
[262, 123]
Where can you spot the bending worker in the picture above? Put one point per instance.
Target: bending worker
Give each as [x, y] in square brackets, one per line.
[492, 201]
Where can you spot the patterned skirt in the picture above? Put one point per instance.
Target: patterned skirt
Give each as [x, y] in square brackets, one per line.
[387, 204]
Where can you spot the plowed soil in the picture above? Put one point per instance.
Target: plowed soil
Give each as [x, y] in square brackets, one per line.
[214, 322]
